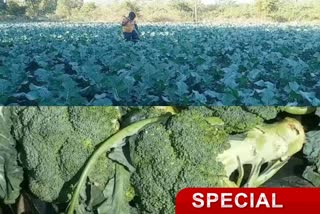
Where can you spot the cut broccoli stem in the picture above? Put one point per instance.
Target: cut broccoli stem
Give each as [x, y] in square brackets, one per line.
[241, 172]
[256, 180]
[271, 171]
[106, 146]
[254, 174]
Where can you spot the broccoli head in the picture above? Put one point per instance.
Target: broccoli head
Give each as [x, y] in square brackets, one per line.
[190, 150]
[55, 143]
[240, 119]
[175, 155]
[265, 112]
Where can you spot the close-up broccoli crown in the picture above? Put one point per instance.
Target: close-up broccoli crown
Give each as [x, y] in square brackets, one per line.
[265, 112]
[236, 118]
[181, 153]
[192, 136]
[56, 142]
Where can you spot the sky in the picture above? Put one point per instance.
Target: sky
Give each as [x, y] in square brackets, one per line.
[239, 1]
[204, 1]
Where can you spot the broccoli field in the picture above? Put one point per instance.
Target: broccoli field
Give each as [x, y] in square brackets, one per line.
[90, 64]
[123, 159]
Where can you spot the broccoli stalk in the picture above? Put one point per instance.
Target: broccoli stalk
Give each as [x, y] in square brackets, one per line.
[271, 144]
[299, 110]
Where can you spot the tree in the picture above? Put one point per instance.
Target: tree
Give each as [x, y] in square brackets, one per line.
[40, 7]
[196, 10]
[133, 6]
[184, 7]
[76, 3]
[33, 7]
[87, 9]
[48, 6]
[65, 7]
[227, 2]
[3, 4]
[190, 8]
[266, 7]
[14, 8]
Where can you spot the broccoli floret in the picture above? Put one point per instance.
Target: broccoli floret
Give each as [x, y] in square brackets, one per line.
[55, 142]
[146, 156]
[189, 150]
[173, 156]
[265, 112]
[239, 119]
[236, 118]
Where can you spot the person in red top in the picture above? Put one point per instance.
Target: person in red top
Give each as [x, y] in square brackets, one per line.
[130, 28]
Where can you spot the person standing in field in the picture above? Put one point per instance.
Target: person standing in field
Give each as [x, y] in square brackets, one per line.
[130, 28]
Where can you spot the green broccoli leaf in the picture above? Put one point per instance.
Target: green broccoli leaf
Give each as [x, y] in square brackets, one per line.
[119, 156]
[312, 176]
[115, 193]
[312, 152]
[11, 174]
[312, 147]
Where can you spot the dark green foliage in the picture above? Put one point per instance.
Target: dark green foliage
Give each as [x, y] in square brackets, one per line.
[67, 64]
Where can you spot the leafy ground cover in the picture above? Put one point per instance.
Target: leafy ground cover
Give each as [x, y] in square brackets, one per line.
[90, 64]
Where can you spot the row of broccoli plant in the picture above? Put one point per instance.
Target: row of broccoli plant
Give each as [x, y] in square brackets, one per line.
[136, 159]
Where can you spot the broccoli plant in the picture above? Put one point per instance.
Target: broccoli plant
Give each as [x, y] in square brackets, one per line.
[136, 159]
[190, 150]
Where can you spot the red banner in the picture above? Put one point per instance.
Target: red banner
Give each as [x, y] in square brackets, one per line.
[248, 200]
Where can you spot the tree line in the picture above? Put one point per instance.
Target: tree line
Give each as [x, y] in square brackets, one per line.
[165, 11]
[36, 8]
